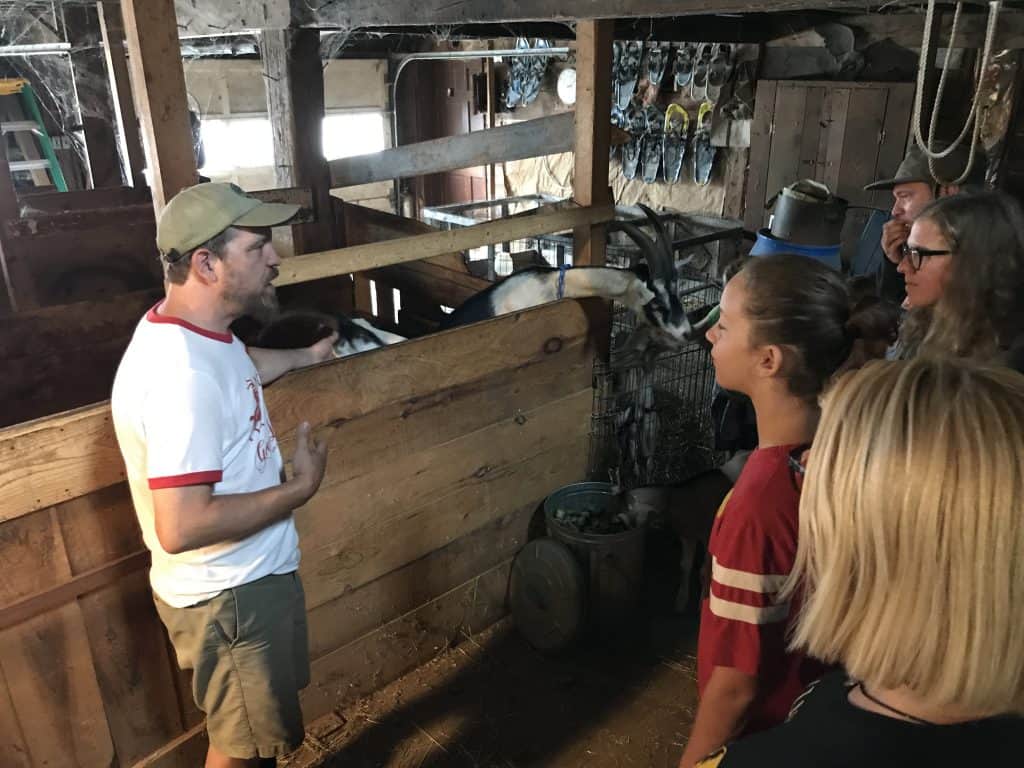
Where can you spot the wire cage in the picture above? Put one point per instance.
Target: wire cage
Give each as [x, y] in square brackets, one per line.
[650, 425]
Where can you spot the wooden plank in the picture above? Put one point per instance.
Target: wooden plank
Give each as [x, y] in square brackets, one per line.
[378, 658]
[293, 73]
[12, 741]
[837, 103]
[31, 551]
[33, 202]
[790, 109]
[186, 751]
[812, 126]
[385, 304]
[422, 421]
[385, 13]
[132, 156]
[531, 138]
[58, 458]
[312, 266]
[898, 109]
[158, 84]
[50, 599]
[907, 29]
[74, 453]
[592, 131]
[362, 295]
[132, 666]
[99, 528]
[95, 99]
[866, 118]
[470, 482]
[80, 222]
[49, 670]
[342, 391]
[760, 154]
[356, 613]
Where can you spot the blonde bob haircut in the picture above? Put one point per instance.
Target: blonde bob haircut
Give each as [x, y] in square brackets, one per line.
[911, 540]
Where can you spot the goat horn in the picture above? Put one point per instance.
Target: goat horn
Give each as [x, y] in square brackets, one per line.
[634, 233]
[663, 243]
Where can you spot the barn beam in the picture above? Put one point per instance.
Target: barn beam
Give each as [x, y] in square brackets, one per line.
[531, 138]
[593, 132]
[133, 158]
[295, 103]
[158, 83]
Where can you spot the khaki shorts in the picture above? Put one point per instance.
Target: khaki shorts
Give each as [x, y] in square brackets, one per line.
[249, 652]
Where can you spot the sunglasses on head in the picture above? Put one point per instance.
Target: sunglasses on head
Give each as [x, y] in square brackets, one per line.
[916, 256]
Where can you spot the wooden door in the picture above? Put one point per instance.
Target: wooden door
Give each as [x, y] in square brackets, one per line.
[845, 135]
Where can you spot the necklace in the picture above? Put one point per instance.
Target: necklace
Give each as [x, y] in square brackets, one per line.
[879, 702]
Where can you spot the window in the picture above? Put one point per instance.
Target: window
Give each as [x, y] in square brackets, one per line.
[247, 142]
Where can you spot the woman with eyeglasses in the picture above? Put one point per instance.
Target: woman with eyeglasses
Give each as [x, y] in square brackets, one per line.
[964, 268]
[787, 326]
[916, 595]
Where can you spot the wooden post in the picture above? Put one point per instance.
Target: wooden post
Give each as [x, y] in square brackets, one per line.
[158, 82]
[295, 104]
[593, 132]
[133, 159]
[491, 109]
[89, 75]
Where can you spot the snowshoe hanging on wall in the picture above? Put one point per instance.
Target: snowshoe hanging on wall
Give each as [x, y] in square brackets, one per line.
[536, 67]
[703, 152]
[629, 72]
[699, 83]
[654, 120]
[719, 70]
[517, 72]
[682, 69]
[656, 61]
[619, 120]
[673, 143]
[632, 149]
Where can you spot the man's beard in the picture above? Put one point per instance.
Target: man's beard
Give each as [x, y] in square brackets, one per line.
[262, 306]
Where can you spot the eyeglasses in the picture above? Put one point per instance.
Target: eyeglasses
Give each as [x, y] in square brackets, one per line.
[918, 255]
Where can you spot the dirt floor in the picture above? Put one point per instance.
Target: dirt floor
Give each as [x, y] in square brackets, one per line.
[494, 702]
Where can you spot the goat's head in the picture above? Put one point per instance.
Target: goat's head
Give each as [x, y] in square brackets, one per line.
[662, 311]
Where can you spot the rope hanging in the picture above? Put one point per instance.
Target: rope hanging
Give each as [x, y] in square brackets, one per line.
[973, 120]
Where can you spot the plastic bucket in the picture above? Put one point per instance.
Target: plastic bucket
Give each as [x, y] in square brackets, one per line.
[613, 563]
[768, 245]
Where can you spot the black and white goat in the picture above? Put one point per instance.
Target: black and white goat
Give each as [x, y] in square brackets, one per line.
[649, 291]
[295, 329]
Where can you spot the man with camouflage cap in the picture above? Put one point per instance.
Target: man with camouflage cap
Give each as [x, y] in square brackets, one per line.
[915, 186]
[207, 478]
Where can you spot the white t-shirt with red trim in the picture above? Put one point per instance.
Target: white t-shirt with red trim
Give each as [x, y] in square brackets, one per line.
[188, 409]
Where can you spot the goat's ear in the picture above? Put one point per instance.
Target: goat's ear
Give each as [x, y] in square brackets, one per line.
[643, 272]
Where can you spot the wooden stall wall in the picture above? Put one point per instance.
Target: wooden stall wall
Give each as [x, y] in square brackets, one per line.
[845, 135]
[441, 449]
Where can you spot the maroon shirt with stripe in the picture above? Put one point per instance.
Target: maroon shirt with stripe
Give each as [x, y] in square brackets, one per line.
[744, 622]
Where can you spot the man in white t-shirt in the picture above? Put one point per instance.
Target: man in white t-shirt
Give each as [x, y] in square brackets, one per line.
[207, 477]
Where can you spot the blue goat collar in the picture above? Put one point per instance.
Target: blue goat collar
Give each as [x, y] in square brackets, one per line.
[561, 279]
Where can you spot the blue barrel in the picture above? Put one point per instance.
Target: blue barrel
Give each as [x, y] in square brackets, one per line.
[767, 244]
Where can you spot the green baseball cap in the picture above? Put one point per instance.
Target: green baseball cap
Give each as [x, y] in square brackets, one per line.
[202, 212]
[915, 167]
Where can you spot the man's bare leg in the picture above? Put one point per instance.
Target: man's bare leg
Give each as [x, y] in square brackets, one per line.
[217, 759]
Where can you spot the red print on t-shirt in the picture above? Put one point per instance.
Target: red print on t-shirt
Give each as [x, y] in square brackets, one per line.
[266, 443]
